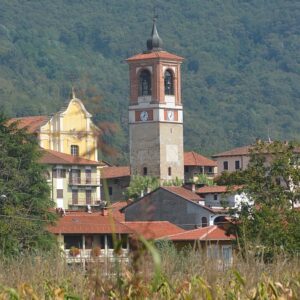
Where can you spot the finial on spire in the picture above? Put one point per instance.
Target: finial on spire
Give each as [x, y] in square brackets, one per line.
[73, 92]
[155, 42]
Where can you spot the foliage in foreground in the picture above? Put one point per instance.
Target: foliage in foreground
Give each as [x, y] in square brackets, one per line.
[271, 181]
[181, 275]
[24, 193]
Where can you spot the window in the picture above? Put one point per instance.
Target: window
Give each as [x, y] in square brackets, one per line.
[59, 193]
[225, 165]
[88, 196]
[74, 150]
[75, 176]
[73, 241]
[145, 171]
[204, 222]
[88, 175]
[74, 196]
[110, 244]
[210, 170]
[110, 190]
[186, 169]
[89, 239]
[169, 171]
[215, 196]
[145, 83]
[169, 83]
[237, 164]
[213, 251]
[59, 173]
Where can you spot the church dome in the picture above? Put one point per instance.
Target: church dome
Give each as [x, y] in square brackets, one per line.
[155, 42]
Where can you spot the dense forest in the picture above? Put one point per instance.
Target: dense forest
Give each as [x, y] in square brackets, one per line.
[241, 72]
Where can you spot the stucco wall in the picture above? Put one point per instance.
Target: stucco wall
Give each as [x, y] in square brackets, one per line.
[162, 205]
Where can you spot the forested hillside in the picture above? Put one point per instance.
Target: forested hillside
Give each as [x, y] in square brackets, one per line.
[241, 75]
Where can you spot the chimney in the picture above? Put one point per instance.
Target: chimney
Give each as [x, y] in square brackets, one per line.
[104, 211]
[193, 187]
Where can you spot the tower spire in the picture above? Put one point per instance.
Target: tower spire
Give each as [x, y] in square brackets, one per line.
[154, 43]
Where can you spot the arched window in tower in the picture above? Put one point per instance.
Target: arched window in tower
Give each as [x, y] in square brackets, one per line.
[169, 83]
[145, 83]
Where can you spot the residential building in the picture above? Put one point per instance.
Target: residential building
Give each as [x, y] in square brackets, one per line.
[74, 180]
[175, 204]
[222, 196]
[213, 241]
[195, 164]
[91, 236]
[233, 160]
[155, 112]
[114, 181]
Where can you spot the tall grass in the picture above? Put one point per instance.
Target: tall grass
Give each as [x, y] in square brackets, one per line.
[184, 274]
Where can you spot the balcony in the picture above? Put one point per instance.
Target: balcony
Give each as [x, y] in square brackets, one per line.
[84, 181]
[82, 201]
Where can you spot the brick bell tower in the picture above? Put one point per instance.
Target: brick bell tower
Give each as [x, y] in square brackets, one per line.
[155, 112]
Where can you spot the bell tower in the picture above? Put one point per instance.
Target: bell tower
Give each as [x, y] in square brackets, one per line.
[155, 112]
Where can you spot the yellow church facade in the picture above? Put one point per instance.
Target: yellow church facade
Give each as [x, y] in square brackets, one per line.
[69, 139]
[71, 131]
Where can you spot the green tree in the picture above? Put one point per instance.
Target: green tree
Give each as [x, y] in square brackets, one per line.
[271, 181]
[24, 193]
[140, 185]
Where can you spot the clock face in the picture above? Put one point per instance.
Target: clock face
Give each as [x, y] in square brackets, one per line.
[170, 115]
[144, 116]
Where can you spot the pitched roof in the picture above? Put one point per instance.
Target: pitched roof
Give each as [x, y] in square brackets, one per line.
[217, 189]
[115, 210]
[177, 190]
[245, 150]
[88, 223]
[31, 124]
[55, 157]
[183, 193]
[195, 159]
[153, 229]
[115, 172]
[210, 233]
[155, 54]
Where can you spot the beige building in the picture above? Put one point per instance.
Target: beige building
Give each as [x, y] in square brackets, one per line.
[233, 160]
[74, 181]
[155, 112]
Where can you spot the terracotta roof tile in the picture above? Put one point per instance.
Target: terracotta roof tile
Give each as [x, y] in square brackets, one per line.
[183, 192]
[217, 189]
[153, 229]
[89, 223]
[31, 124]
[210, 233]
[245, 150]
[55, 157]
[195, 159]
[155, 54]
[115, 172]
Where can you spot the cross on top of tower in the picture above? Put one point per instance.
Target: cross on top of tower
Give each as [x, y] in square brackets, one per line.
[154, 43]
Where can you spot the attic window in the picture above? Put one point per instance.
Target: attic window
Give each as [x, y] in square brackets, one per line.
[74, 150]
[169, 171]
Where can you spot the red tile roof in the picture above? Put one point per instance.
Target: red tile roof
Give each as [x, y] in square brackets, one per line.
[210, 233]
[115, 210]
[115, 172]
[155, 54]
[183, 192]
[217, 189]
[153, 229]
[88, 223]
[195, 159]
[32, 124]
[55, 157]
[245, 150]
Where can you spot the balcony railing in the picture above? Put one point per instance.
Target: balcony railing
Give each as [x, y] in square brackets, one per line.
[82, 201]
[84, 181]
